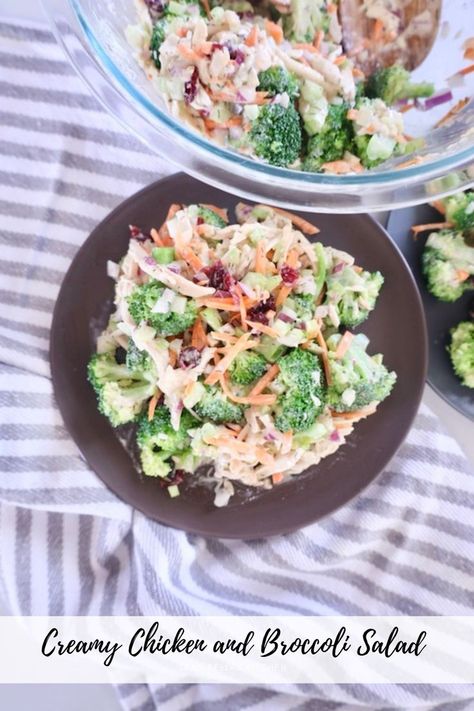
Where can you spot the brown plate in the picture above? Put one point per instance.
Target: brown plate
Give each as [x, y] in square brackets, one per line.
[396, 327]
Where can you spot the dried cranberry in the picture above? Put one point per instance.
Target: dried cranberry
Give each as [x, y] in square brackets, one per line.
[258, 312]
[191, 87]
[289, 275]
[137, 233]
[174, 479]
[220, 278]
[237, 56]
[199, 221]
[217, 45]
[155, 7]
[188, 357]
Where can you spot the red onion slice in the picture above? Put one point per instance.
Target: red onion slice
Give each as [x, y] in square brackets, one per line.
[442, 97]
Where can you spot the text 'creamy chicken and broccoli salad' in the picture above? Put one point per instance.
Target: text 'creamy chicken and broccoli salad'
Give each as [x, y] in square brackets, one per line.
[231, 346]
[271, 80]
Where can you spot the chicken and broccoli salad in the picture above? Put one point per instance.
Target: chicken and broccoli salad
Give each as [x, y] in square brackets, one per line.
[271, 80]
[448, 269]
[231, 346]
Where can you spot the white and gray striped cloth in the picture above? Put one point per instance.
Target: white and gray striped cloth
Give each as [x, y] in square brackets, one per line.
[68, 546]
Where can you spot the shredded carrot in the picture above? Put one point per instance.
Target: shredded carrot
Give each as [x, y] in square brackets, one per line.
[252, 37]
[274, 30]
[283, 294]
[263, 328]
[377, 30]
[277, 478]
[411, 161]
[306, 47]
[452, 112]
[260, 399]
[292, 258]
[343, 345]
[354, 414]
[439, 205]
[431, 226]
[260, 258]
[462, 275]
[222, 336]
[469, 53]
[173, 357]
[318, 38]
[187, 53]
[163, 231]
[340, 60]
[222, 304]
[221, 211]
[352, 114]
[331, 8]
[156, 237]
[211, 125]
[466, 70]
[339, 167]
[191, 258]
[265, 380]
[243, 433]
[241, 344]
[152, 405]
[324, 357]
[406, 107]
[198, 338]
[300, 222]
[357, 73]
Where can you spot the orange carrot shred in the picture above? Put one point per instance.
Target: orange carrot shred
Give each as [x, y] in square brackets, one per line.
[431, 226]
[462, 275]
[466, 70]
[156, 237]
[252, 37]
[198, 337]
[277, 478]
[452, 112]
[283, 294]
[274, 30]
[260, 399]
[377, 30]
[152, 406]
[344, 345]
[173, 357]
[318, 38]
[300, 222]
[439, 205]
[263, 328]
[265, 380]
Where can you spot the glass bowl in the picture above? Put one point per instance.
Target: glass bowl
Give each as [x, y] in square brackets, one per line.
[93, 36]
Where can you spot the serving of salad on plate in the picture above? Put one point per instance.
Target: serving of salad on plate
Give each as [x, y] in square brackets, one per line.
[231, 347]
[270, 79]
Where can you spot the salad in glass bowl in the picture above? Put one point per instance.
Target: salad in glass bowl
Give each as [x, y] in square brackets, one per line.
[271, 80]
[231, 348]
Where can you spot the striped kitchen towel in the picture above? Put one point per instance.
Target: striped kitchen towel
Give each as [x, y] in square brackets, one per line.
[68, 546]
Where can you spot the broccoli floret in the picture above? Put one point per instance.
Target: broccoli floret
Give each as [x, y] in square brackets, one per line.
[301, 385]
[377, 148]
[448, 265]
[357, 379]
[276, 80]
[313, 107]
[461, 351]
[353, 293]
[210, 217]
[137, 359]
[373, 150]
[393, 83]
[215, 406]
[158, 440]
[334, 139]
[121, 392]
[158, 36]
[276, 134]
[304, 305]
[247, 367]
[160, 434]
[460, 210]
[143, 299]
